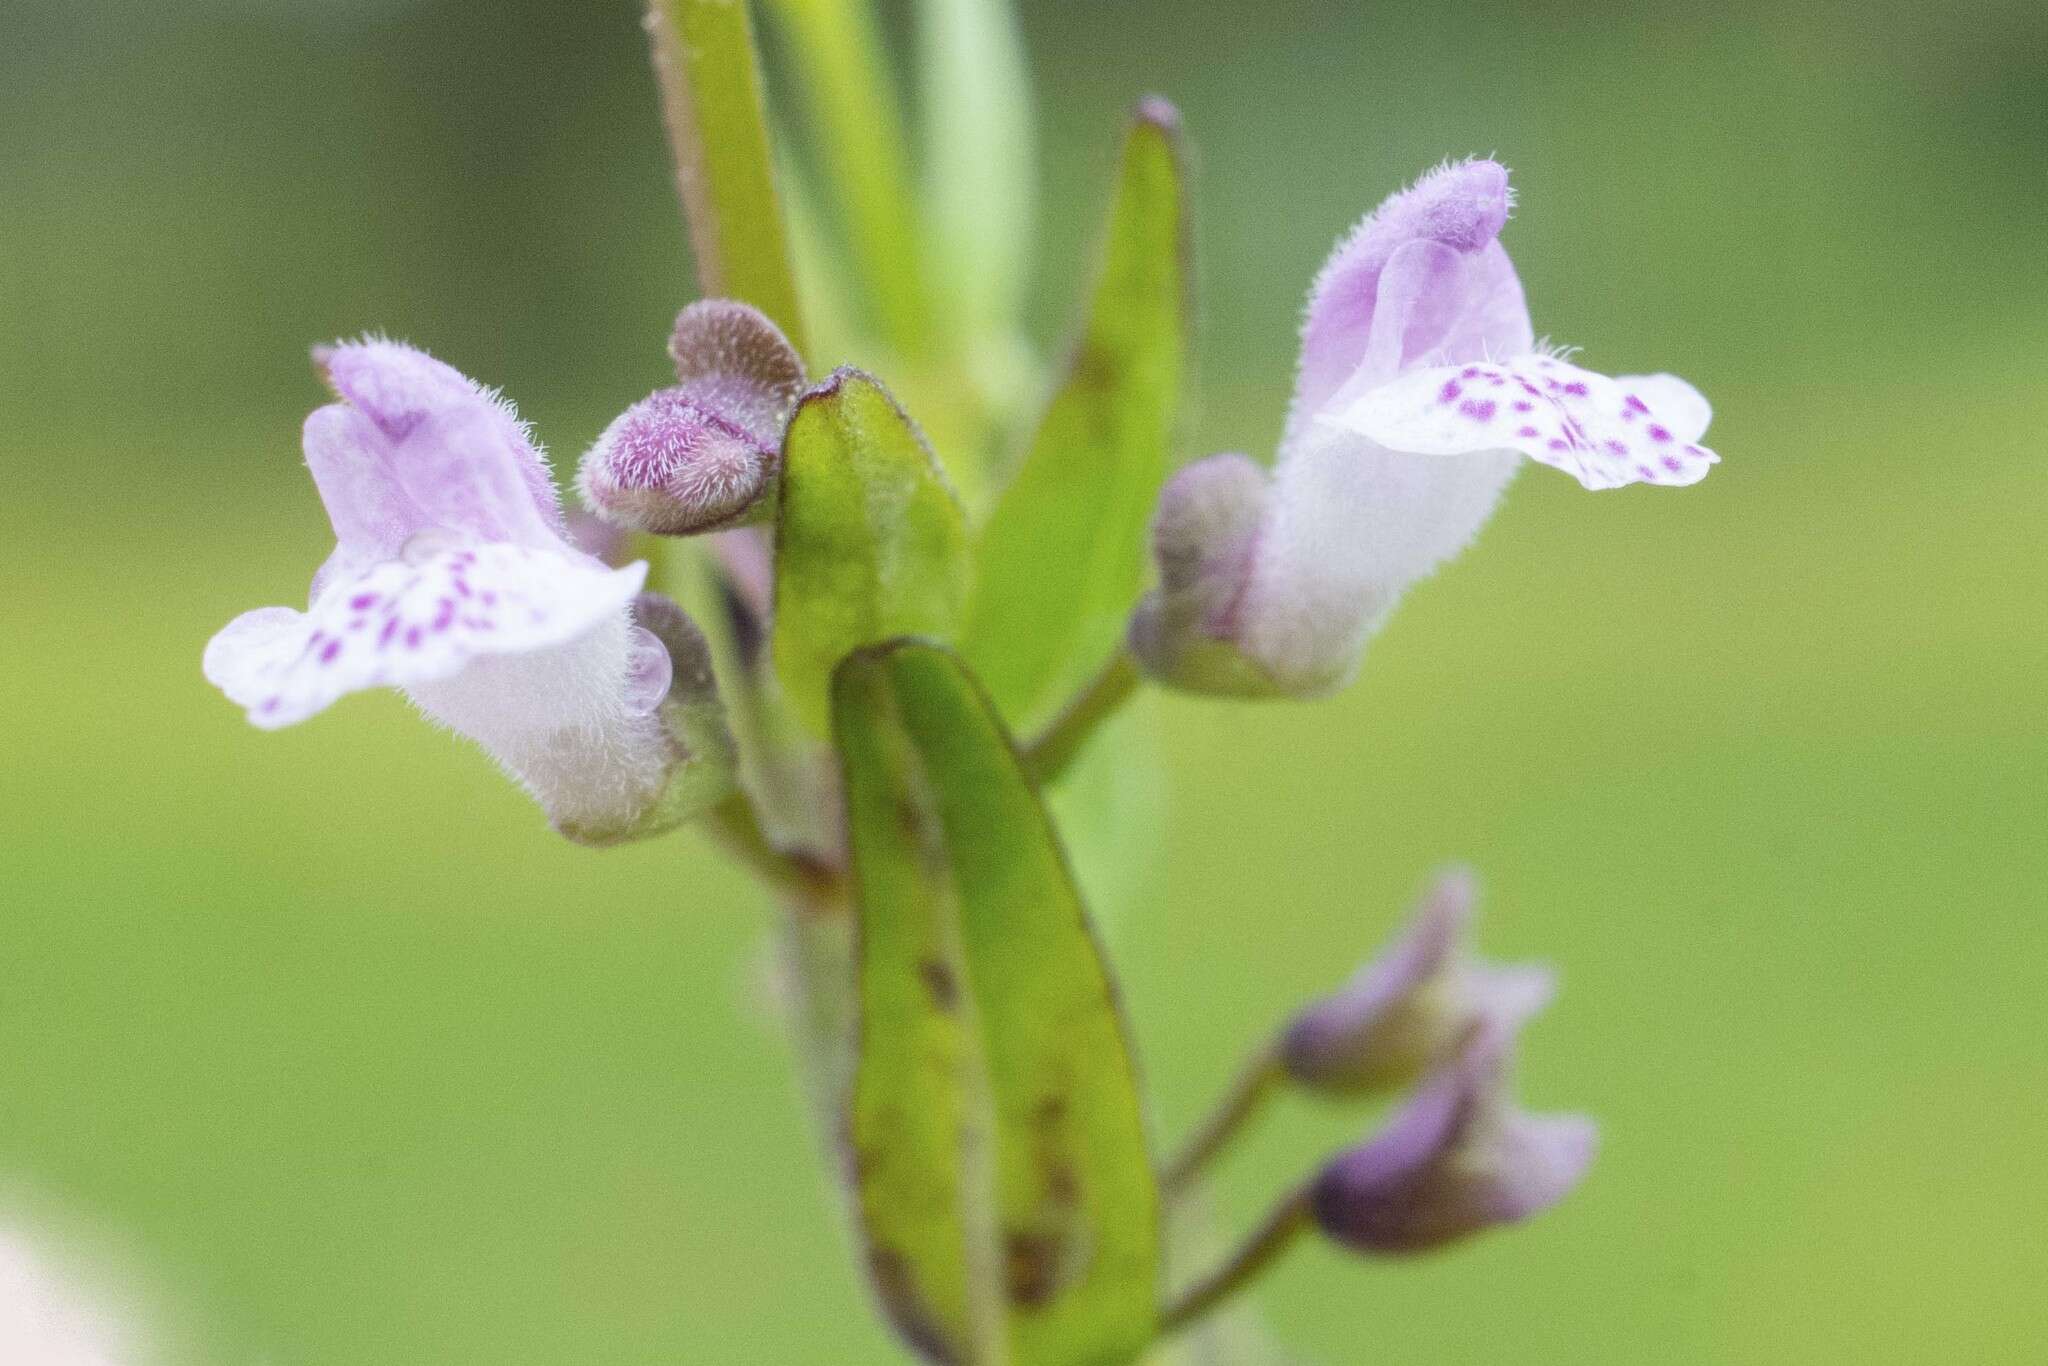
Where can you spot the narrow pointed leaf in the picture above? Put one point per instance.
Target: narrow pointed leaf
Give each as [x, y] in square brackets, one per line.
[1064, 554]
[975, 121]
[870, 543]
[1003, 1181]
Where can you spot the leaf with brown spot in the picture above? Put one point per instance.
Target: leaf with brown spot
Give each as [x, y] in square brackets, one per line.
[1005, 1190]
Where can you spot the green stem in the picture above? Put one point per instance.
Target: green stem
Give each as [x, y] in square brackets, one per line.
[1274, 1236]
[1048, 756]
[705, 59]
[1255, 1084]
[793, 872]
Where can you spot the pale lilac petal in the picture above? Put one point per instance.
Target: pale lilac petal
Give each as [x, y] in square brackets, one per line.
[349, 458]
[1678, 405]
[1351, 527]
[1458, 1158]
[411, 621]
[1474, 298]
[1597, 429]
[459, 452]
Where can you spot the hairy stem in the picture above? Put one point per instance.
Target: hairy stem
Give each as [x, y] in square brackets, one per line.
[1275, 1235]
[1048, 756]
[705, 59]
[1255, 1083]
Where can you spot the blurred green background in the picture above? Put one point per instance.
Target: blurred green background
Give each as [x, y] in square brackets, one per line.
[327, 1044]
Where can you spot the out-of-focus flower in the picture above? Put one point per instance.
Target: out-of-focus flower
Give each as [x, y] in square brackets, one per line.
[1409, 1009]
[703, 453]
[1421, 389]
[1460, 1157]
[43, 1321]
[453, 579]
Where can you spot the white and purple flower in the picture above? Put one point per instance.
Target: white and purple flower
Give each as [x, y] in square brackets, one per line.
[1421, 390]
[453, 578]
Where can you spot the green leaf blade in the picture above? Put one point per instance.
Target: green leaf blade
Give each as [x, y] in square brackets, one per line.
[1004, 1182]
[1064, 553]
[870, 542]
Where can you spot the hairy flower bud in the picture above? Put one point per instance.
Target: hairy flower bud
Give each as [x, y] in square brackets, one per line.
[1458, 1158]
[1407, 1010]
[702, 454]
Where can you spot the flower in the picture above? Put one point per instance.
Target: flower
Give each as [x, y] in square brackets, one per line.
[1458, 1158]
[453, 579]
[703, 453]
[1410, 1008]
[1421, 388]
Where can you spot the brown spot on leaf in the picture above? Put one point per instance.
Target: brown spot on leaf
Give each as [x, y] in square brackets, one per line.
[1031, 1263]
[939, 981]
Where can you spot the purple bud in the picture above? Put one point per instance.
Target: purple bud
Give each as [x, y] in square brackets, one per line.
[1458, 1158]
[671, 466]
[1407, 1010]
[703, 454]
[1204, 536]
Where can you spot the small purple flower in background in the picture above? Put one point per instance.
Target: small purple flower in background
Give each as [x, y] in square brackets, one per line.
[1458, 1158]
[1421, 389]
[453, 579]
[1409, 1009]
[703, 453]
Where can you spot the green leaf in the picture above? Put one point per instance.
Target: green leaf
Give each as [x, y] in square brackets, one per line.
[1064, 554]
[710, 78]
[1004, 1185]
[848, 88]
[870, 542]
[975, 121]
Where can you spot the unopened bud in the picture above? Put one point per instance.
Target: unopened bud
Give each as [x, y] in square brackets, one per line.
[1408, 1009]
[704, 453]
[1204, 536]
[1460, 1157]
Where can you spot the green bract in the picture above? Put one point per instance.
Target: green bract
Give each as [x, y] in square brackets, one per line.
[871, 543]
[1003, 1181]
[1064, 554]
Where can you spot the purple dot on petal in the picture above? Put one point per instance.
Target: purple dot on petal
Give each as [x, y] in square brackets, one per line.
[490, 598]
[1479, 410]
[1616, 447]
[1646, 472]
[412, 637]
[1672, 463]
[1558, 443]
[1523, 405]
[1449, 393]
[1632, 404]
[1657, 433]
[1469, 372]
[1575, 389]
[327, 654]
[363, 602]
[1527, 432]
[446, 616]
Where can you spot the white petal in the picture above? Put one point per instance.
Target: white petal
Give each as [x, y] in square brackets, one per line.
[1604, 432]
[412, 621]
